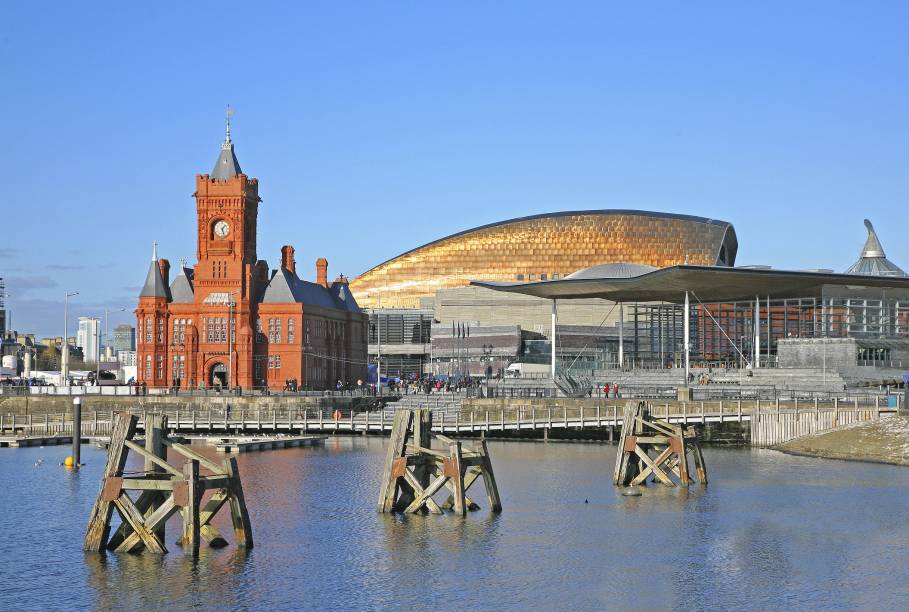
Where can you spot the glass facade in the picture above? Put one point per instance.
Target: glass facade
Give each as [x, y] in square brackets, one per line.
[402, 337]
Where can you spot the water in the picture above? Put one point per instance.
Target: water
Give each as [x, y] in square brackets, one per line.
[771, 531]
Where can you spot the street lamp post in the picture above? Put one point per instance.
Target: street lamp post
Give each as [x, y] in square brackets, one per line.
[64, 349]
[230, 338]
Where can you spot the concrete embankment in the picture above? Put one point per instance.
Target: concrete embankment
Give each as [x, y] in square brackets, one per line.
[57, 404]
[882, 441]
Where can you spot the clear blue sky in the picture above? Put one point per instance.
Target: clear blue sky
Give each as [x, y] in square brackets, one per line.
[377, 127]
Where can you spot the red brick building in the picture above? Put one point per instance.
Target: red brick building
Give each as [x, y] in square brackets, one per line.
[231, 321]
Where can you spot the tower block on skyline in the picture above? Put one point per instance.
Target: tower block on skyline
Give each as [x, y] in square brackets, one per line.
[228, 321]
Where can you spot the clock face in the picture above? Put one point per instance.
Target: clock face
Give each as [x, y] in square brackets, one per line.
[221, 229]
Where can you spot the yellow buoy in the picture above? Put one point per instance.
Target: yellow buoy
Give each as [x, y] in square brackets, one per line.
[68, 462]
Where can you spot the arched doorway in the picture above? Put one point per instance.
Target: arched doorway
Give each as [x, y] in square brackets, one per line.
[218, 375]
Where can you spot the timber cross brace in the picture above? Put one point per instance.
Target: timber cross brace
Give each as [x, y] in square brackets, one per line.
[414, 472]
[651, 448]
[163, 490]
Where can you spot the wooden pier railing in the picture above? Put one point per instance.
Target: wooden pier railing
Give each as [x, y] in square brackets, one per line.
[773, 422]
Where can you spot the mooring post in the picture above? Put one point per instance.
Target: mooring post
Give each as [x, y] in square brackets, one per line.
[154, 444]
[77, 430]
[190, 511]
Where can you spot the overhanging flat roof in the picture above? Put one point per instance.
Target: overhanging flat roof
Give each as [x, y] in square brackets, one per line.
[707, 283]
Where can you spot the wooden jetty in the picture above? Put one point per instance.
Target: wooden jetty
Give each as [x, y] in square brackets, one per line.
[163, 490]
[654, 449]
[414, 471]
[23, 441]
[243, 445]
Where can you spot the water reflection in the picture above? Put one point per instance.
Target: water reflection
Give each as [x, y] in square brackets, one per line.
[770, 531]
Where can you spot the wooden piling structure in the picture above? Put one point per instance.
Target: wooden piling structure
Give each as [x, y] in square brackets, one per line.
[414, 471]
[655, 449]
[163, 490]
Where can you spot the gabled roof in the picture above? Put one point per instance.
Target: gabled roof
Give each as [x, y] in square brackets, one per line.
[154, 284]
[286, 288]
[873, 261]
[181, 290]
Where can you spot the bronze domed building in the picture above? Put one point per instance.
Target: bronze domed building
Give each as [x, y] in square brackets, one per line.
[545, 247]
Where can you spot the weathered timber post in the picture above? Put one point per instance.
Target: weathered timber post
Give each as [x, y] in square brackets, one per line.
[238, 513]
[99, 520]
[414, 472]
[654, 448]
[190, 505]
[155, 430]
[164, 490]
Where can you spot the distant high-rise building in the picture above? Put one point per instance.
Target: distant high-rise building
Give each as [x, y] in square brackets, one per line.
[127, 358]
[2, 309]
[87, 337]
[124, 338]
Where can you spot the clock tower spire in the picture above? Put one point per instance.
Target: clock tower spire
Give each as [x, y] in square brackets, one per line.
[227, 204]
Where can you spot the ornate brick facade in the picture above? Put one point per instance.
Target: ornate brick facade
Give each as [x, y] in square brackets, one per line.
[228, 321]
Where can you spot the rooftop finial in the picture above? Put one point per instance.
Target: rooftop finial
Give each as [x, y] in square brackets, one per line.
[154, 250]
[873, 246]
[227, 115]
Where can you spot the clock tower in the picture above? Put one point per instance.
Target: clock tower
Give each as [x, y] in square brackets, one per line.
[229, 323]
[227, 206]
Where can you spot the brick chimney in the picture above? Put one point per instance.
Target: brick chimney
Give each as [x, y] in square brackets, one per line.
[322, 271]
[287, 259]
[260, 272]
[164, 267]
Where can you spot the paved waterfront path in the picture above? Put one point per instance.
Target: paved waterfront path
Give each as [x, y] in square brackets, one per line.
[774, 422]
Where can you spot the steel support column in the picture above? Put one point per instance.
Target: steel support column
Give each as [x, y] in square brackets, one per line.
[687, 339]
[757, 333]
[621, 335]
[554, 321]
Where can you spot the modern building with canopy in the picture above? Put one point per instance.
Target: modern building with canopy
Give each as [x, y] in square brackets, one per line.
[746, 316]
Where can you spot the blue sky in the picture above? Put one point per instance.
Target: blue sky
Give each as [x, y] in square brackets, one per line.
[377, 127]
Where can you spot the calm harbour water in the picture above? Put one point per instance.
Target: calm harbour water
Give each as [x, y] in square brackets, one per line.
[770, 531]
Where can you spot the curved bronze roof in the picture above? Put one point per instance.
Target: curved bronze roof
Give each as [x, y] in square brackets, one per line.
[543, 247]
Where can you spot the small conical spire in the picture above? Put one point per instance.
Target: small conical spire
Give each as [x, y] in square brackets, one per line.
[154, 250]
[227, 165]
[873, 246]
[227, 115]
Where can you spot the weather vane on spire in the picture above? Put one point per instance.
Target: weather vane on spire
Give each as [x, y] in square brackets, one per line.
[154, 250]
[228, 114]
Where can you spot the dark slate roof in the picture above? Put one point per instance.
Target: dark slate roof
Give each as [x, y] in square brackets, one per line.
[711, 284]
[154, 284]
[613, 270]
[285, 288]
[344, 298]
[181, 290]
[873, 261]
[227, 165]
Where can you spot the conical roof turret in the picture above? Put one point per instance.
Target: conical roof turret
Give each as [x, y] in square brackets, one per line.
[227, 166]
[873, 261]
[154, 286]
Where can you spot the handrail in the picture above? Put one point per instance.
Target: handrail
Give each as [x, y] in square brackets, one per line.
[277, 420]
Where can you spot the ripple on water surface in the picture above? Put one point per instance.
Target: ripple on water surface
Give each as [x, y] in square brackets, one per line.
[771, 531]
